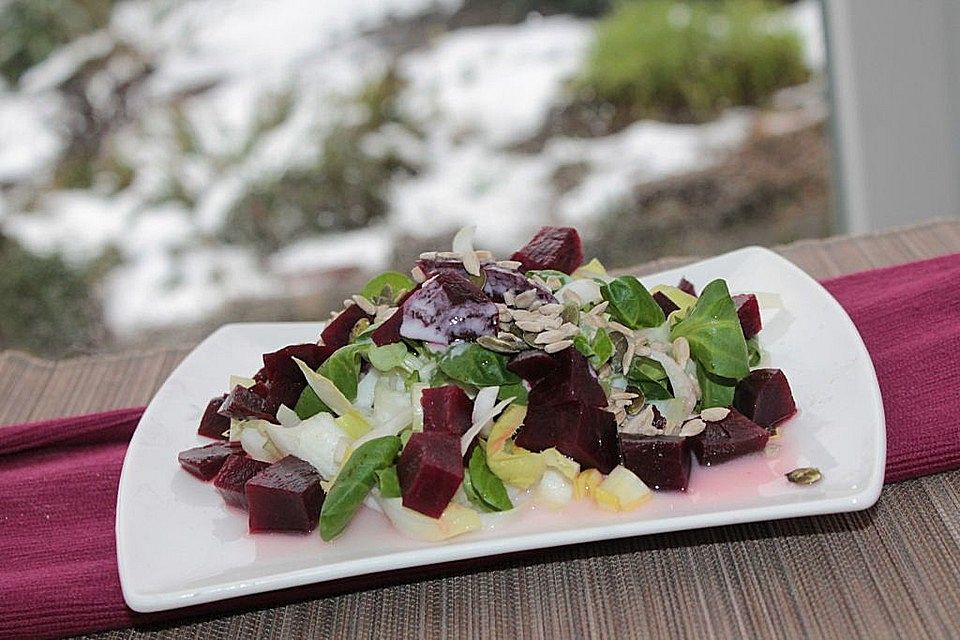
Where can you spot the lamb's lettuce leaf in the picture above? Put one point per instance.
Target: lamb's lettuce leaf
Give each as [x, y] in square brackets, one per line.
[713, 330]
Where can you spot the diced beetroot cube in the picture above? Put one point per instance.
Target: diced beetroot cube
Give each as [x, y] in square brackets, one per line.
[337, 332]
[556, 248]
[724, 440]
[282, 378]
[764, 396]
[665, 303]
[662, 462]
[430, 471]
[446, 409]
[389, 331]
[498, 280]
[573, 380]
[586, 434]
[244, 404]
[748, 310]
[232, 477]
[204, 462]
[286, 496]
[532, 364]
[687, 287]
[448, 307]
[212, 424]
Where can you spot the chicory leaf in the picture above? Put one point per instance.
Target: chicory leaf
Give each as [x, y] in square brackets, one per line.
[472, 364]
[355, 480]
[631, 304]
[713, 330]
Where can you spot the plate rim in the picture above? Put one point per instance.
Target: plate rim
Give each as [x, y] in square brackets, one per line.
[859, 500]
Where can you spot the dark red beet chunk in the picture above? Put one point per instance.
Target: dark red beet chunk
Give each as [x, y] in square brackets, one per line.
[448, 307]
[286, 496]
[665, 303]
[212, 424]
[734, 436]
[552, 248]
[500, 280]
[586, 434]
[687, 287]
[446, 409]
[204, 462]
[389, 331]
[337, 332]
[764, 396]
[532, 364]
[748, 310]
[244, 404]
[232, 477]
[572, 380]
[496, 280]
[662, 462]
[282, 378]
[430, 470]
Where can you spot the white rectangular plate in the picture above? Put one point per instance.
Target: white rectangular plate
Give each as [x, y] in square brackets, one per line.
[179, 545]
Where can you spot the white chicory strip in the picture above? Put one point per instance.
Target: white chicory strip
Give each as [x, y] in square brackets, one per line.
[328, 393]
[482, 422]
[683, 389]
[287, 416]
[391, 427]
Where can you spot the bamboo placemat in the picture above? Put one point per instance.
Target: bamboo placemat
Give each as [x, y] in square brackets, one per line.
[890, 572]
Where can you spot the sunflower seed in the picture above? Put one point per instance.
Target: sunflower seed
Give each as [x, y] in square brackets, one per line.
[483, 254]
[530, 325]
[714, 414]
[525, 316]
[536, 304]
[804, 475]
[570, 296]
[537, 279]
[428, 255]
[524, 299]
[385, 313]
[497, 344]
[619, 416]
[570, 329]
[418, 274]
[622, 395]
[554, 283]
[692, 427]
[513, 265]
[681, 351]
[508, 297]
[449, 255]
[553, 335]
[628, 355]
[558, 346]
[616, 326]
[643, 350]
[552, 322]
[551, 309]
[366, 305]
[600, 308]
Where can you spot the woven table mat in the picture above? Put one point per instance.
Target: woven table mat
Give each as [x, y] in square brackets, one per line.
[892, 571]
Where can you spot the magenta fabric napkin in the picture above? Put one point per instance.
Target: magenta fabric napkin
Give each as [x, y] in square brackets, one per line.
[58, 478]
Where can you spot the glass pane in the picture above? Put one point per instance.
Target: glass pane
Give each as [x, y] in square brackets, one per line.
[166, 167]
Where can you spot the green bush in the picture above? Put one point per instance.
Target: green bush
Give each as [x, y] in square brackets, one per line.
[49, 309]
[687, 61]
[31, 29]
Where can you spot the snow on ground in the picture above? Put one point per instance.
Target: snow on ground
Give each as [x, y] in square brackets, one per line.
[221, 66]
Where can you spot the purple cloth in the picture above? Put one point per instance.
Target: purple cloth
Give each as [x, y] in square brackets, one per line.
[58, 478]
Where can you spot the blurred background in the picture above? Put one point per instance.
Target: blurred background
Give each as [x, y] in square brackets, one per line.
[167, 166]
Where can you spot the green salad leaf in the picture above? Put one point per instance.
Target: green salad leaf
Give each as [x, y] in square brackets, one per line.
[715, 391]
[387, 287]
[486, 488]
[517, 391]
[343, 369]
[389, 482]
[599, 350]
[631, 304]
[387, 357]
[475, 365]
[713, 330]
[355, 480]
[649, 376]
[753, 349]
